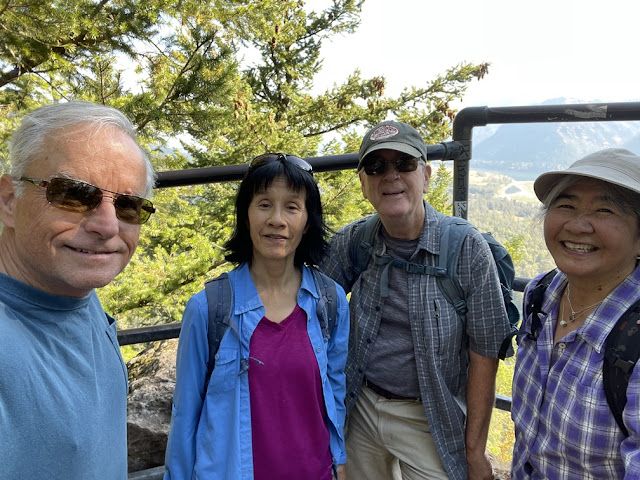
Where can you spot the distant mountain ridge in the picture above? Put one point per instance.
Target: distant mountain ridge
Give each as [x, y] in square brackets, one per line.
[524, 151]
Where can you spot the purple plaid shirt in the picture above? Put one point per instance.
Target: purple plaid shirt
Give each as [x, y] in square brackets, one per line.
[564, 427]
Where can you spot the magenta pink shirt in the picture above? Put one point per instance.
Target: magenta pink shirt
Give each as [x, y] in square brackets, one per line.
[289, 436]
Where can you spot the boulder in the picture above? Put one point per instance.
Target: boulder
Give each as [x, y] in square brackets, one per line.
[152, 377]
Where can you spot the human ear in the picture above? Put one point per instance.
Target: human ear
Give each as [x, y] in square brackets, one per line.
[361, 175]
[7, 201]
[427, 177]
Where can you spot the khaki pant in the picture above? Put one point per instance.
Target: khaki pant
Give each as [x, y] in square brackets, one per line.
[390, 440]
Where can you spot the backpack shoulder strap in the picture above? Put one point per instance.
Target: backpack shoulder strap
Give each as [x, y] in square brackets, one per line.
[453, 231]
[622, 350]
[534, 303]
[327, 306]
[110, 319]
[218, 293]
[361, 246]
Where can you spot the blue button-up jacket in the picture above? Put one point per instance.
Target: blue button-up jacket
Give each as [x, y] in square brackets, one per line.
[210, 436]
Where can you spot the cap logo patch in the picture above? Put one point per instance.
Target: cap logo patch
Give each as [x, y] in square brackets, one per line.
[383, 132]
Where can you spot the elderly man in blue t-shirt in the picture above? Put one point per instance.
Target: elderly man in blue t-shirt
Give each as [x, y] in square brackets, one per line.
[71, 208]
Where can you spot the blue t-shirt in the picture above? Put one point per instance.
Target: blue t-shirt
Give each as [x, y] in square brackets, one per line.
[63, 388]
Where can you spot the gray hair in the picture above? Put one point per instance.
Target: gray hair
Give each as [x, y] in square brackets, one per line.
[628, 201]
[36, 129]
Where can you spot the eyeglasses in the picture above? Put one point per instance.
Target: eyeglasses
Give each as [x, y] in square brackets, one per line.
[76, 196]
[267, 158]
[378, 166]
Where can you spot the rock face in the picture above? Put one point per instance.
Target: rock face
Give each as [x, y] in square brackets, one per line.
[152, 377]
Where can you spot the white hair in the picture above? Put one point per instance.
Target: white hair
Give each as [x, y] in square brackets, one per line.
[30, 140]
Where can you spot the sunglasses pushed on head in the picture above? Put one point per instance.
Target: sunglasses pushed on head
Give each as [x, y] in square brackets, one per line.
[268, 158]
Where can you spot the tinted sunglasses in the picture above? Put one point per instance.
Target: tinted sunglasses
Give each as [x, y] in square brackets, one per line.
[267, 158]
[378, 166]
[76, 196]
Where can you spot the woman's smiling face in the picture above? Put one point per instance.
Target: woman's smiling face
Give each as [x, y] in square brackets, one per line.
[589, 236]
[277, 221]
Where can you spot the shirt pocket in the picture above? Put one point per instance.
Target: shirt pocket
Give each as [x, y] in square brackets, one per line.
[446, 327]
[226, 371]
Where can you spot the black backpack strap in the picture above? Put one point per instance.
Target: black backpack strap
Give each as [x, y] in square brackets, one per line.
[506, 275]
[533, 305]
[110, 319]
[622, 350]
[327, 306]
[218, 293]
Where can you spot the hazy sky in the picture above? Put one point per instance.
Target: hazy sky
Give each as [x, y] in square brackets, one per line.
[579, 49]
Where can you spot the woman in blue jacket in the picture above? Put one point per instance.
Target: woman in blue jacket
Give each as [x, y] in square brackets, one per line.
[274, 404]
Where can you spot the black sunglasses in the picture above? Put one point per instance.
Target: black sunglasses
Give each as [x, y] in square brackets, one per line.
[76, 196]
[377, 166]
[267, 158]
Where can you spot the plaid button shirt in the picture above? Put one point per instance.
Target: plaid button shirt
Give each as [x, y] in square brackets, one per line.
[440, 339]
[564, 426]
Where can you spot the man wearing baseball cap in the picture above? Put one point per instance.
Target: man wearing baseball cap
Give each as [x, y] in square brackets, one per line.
[413, 365]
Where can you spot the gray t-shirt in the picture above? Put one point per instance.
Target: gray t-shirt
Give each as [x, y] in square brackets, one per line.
[393, 364]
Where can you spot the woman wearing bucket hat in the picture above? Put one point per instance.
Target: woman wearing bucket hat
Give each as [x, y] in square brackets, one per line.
[563, 424]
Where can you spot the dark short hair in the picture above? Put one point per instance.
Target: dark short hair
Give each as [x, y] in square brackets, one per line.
[313, 245]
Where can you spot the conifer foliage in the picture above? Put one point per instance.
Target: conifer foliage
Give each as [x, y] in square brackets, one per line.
[206, 82]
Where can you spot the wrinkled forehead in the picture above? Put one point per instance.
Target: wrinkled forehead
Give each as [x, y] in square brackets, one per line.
[107, 157]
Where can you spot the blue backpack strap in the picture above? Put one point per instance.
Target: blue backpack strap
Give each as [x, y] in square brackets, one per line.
[453, 231]
[361, 252]
[622, 350]
[361, 246]
[327, 306]
[218, 293]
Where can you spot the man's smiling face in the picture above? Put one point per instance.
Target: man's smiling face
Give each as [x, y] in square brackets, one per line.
[396, 195]
[70, 253]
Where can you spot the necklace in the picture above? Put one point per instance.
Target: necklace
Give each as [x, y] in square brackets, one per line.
[574, 314]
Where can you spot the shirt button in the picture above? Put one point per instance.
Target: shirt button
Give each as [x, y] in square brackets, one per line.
[562, 345]
[319, 349]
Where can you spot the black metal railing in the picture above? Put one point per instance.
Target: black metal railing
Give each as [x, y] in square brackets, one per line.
[172, 330]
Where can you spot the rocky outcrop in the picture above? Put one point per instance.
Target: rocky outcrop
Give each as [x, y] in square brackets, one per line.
[152, 377]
